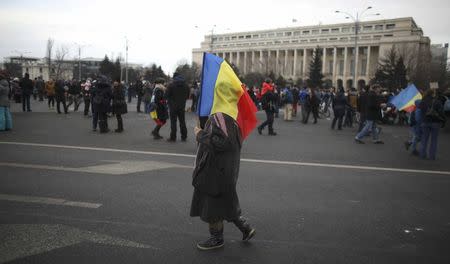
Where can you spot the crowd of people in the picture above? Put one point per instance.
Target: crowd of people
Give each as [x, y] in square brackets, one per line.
[103, 98]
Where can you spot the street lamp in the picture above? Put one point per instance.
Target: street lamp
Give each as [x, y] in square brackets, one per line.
[356, 19]
[79, 58]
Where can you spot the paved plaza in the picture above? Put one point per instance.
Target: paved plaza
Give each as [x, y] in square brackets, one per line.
[71, 195]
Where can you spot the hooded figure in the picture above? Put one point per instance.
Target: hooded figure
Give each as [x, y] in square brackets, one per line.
[216, 172]
[101, 103]
[159, 103]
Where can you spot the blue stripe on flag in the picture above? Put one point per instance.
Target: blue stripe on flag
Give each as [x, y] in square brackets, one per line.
[210, 71]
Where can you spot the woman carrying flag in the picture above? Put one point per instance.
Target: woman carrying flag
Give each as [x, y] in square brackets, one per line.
[231, 118]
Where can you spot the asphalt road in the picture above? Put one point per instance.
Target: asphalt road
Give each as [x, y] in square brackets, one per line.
[70, 195]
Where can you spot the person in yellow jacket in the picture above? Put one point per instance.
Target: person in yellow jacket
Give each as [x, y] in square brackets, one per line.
[50, 91]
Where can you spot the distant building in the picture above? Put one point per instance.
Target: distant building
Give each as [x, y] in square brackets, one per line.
[67, 69]
[288, 51]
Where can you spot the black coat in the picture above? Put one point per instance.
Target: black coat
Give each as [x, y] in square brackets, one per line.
[428, 103]
[101, 98]
[339, 103]
[373, 110]
[59, 90]
[119, 105]
[161, 104]
[216, 171]
[27, 86]
[177, 94]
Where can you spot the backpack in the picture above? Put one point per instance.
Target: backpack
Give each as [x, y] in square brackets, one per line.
[433, 114]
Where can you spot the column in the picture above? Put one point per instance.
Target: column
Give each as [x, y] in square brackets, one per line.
[285, 63]
[334, 72]
[252, 67]
[355, 82]
[324, 60]
[305, 53]
[238, 60]
[245, 62]
[295, 63]
[368, 63]
[345, 67]
[277, 68]
[261, 63]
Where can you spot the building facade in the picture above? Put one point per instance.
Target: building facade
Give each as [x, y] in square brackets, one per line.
[288, 51]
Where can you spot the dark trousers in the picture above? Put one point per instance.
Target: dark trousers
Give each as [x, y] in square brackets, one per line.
[94, 119]
[63, 101]
[103, 122]
[26, 102]
[87, 103]
[339, 119]
[138, 106]
[177, 113]
[315, 113]
[129, 95]
[119, 122]
[51, 101]
[269, 121]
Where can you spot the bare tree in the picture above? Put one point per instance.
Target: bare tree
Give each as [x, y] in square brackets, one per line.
[48, 55]
[60, 64]
[417, 59]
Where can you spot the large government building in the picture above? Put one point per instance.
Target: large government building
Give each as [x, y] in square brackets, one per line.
[288, 51]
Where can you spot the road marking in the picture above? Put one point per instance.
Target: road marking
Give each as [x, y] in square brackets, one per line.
[47, 200]
[23, 240]
[293, 163]
[118, 168]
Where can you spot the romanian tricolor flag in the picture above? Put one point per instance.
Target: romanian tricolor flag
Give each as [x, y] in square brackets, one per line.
[404, 101]
[222, 91]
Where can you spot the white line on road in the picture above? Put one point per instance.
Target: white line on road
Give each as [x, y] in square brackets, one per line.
[294, 163]
[47, 200]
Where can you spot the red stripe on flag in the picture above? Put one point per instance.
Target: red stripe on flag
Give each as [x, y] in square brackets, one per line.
[246, 118]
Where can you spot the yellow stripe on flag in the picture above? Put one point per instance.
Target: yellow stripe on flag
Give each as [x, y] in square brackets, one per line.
[227, 92]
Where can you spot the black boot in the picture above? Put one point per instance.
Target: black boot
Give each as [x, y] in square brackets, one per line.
[214, 241]
[271, 132]
[155, 133]
[247, 231]
[103, 126]
[119, 126]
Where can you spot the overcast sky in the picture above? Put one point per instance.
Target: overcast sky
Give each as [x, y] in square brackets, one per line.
[164, 31]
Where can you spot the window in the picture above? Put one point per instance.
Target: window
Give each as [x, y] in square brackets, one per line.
[315, 31]
[343, 39]
[377, 37]
[277, 42]
[233, 37]
[263, 35]
[255, 36]
[313, 40]
[279, 34]
[26, 69]
[248, 36]
[341, 67]
[352, 67]
[286, 41]
[322, 39]
[325, 31]
[388, 35]
[241, 37]
[390, 26]
[288, 34]
[305, 32]
[304, 40]
[294, 41]
[367, 28]
[378, 27]
[345, 29]
[40, 69]
[227, 38]
[271, 34]
[214, 38]
[333, 39]
[297, 33]
[335, 30]
[220, 39]
[363, 66]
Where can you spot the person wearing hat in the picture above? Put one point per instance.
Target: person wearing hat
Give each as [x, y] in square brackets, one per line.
[268, 102]
[119, 105]
[5, 114]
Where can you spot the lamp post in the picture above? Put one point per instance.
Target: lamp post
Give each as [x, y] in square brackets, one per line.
[357, 20]
[126, 60]
[80, 46]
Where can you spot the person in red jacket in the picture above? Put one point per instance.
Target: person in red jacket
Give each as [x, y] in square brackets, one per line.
[268, 104]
